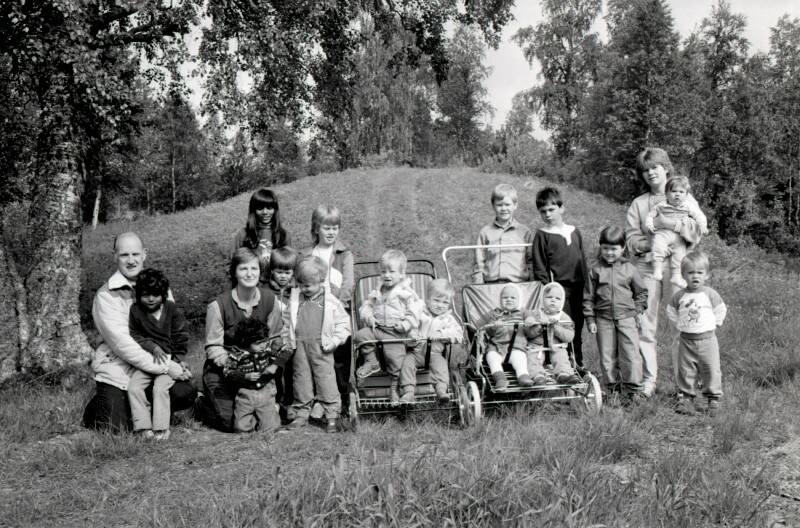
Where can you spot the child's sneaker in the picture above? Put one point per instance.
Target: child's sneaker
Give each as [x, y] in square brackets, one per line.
[394, 396]
[147, 434]
[540, 381]
[297, 423]
[525, 381]
[685, 406]
[334, 426]
[500, 381]
[367, 369]
[658, 271]
[407, 397]
[161, 435]
[565, 378]
[441, 395]
[713, 408]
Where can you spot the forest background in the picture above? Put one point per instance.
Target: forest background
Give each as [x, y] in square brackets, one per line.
[96, 124]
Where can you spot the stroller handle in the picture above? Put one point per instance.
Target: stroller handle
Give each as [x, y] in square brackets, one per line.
[479, 246]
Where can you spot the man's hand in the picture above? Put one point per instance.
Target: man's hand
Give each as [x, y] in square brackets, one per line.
[252, 376]
[159, 356]
[592, 328]
[221, 360]
[175, 371]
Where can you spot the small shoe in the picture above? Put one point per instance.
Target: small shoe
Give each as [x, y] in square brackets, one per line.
[367, 369]
[441, 395]
[159, 436]
[685, 406]
[407, 397]
[500, 381]
[334, 426]
[297, 423]
[147, 434]
[648, 390]
[317, 412]
[525, 381]
[713, 408]
[658, 273]
[540, 381]
[394, 397]
[565, 378]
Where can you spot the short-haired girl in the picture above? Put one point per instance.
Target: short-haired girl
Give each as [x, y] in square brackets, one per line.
[263, 230]
[613, 301]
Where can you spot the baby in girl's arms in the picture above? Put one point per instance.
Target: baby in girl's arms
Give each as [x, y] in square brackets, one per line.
[674, 244]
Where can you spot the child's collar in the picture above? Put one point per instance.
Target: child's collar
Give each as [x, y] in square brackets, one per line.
[565, 231]
[512, 222]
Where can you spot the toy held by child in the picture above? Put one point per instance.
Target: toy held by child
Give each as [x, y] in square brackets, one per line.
[548, 325]
[252, 365]
[558, 256]
[613, 301]
[697, 311]
[315, 323]
[503, 264]
[508, 339]
[388, 313]
[438, 325]
[157, 324]
[674, 244]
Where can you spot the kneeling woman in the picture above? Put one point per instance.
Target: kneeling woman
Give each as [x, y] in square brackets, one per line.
[246, 300]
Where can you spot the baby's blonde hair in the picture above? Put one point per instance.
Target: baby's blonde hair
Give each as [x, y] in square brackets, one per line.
[394, 256]
[440, 287]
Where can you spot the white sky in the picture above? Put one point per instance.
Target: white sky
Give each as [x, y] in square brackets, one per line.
[512, 74]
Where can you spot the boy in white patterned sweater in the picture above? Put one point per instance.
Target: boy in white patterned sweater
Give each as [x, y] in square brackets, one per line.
[697, 311]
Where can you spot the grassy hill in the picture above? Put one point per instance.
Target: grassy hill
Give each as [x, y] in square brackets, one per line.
[544, 465]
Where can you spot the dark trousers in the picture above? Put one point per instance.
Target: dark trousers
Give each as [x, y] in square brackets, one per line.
[108, 410]
[573, 307]
[219, 395]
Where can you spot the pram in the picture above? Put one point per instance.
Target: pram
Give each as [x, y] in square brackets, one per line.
[479, 300]
[371, 394]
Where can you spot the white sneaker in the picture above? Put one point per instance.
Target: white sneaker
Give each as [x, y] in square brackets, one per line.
[161, 435]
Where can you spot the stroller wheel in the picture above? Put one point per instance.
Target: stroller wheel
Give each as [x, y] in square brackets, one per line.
[475, 408]
[593, 397]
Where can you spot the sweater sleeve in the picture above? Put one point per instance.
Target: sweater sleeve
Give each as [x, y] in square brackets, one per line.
[366, 312]
[138, 333]
[479, 266]
[636, 241]
[180, 335]
[413, 309]
[539, 258]
[215, 333]
[720, 309]
[450, 331]
[589, 291]
[639, 289]
[564, 330]
[698, 216]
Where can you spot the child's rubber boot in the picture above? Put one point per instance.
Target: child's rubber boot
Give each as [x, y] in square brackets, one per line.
[500, 381]
[407, 397]
[525, 381]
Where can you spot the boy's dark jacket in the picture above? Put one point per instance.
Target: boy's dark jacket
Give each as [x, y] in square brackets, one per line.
[613, 291]
[170, 332]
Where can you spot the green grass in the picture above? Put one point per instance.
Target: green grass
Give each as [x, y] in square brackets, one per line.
[533, 465]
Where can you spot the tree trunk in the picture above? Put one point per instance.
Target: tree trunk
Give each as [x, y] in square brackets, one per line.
[172, 179]
[96, 211]
[52, 286]
[13, 328]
